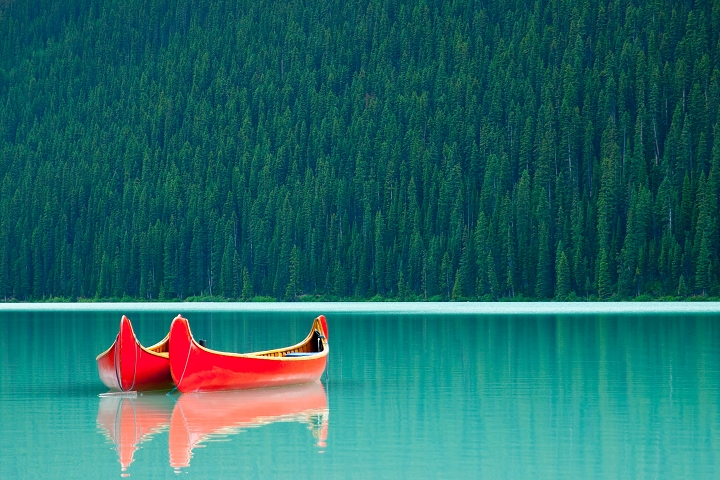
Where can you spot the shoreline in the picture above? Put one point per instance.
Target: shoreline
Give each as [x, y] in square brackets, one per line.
[382, 308]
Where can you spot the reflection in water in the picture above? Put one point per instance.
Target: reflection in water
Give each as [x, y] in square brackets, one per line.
[131, 421]
[199, 417]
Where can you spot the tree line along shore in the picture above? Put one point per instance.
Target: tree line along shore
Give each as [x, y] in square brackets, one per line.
[362, 149]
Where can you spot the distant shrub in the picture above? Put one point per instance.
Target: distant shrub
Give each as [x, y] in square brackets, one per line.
[645, 297]
[260, 298]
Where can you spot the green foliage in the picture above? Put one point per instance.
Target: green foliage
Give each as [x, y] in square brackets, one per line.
[603, 276]
[325, 150]
[562, 269]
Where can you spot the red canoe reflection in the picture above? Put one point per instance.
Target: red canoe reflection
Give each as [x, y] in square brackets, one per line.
[199, 416]
[127, 422]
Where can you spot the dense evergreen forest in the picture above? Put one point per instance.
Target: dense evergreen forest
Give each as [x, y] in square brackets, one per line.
[406, 149]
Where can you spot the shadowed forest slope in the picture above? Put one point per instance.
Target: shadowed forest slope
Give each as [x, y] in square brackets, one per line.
[407, 149]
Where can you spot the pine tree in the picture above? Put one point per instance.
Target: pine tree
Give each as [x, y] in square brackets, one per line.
[603, 276]
[493, 282]
[247, 286]
[293, 287]
[562, 270]
[226, 286]
[446, 275]
[544, 285]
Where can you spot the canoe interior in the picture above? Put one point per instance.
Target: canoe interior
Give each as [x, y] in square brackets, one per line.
[161, 348]
[314, 344]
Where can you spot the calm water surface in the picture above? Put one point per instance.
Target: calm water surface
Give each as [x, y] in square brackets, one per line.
[481, 396]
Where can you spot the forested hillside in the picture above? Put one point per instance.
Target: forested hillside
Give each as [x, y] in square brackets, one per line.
[410, 149]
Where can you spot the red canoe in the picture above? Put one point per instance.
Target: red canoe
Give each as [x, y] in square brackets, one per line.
[127, 365]
[199, 417]
[196, 368]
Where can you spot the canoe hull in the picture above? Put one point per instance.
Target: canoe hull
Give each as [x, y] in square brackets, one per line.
[195, 368]
[127, 365]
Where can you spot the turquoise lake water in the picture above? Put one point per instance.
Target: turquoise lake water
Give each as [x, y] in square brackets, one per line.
[408, 395]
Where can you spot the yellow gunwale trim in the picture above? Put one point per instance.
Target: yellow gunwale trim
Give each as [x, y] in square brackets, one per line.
[264, 355]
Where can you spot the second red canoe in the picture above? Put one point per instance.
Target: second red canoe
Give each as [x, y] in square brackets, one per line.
[196, 368]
